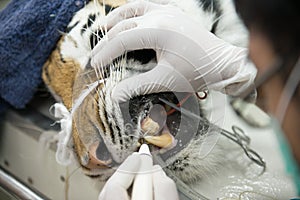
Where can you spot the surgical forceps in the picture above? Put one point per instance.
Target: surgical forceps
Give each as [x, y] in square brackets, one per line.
[238, 136]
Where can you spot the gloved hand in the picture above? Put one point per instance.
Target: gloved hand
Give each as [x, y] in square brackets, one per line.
[189, 57]
[116, 187]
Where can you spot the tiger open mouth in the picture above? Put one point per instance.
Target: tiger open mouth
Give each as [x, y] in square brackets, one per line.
[157, 129]
[162, 126]
[146, 119]
[156, 122]
[151, 121]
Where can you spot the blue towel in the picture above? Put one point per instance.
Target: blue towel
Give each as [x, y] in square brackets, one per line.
[29, 31]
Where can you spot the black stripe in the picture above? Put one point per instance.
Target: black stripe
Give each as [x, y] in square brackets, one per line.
[108, 9]
[69, 28]
[212, 6]
[89, 23]
[95, 38]
[113, 139]
[91, 20]
[214, 27]
[60, 55]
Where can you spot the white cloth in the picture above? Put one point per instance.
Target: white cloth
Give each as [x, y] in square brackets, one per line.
[64, 152]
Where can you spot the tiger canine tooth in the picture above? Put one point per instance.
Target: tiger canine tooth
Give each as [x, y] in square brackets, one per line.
[165, 140]
[149, 126]
[138, 144]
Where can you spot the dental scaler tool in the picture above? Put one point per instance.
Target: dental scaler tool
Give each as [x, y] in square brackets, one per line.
[142, 186]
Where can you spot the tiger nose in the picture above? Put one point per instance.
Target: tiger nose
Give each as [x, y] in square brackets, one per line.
[99, 156]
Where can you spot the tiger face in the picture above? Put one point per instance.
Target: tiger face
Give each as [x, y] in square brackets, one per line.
[105, 133]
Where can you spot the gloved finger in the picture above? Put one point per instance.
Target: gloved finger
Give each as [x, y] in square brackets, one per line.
[113, 192]
[130, 10]
[107, 50]
[163, 186]
[116, 187]
[126, 172]
[121, 26]
[162, 78]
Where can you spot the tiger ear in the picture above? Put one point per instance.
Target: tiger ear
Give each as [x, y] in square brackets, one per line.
[59, 75]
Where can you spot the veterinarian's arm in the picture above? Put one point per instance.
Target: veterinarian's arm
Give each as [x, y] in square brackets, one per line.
[189, 58]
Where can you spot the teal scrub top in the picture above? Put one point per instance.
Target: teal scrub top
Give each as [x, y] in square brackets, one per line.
[290, 163]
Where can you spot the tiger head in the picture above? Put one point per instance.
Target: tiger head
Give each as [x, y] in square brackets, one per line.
[104, 133]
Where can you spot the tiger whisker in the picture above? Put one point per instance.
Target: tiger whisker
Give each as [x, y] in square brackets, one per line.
[100, 95]
[218, 18]
[72, 173]
[62, 32]
[95, 34]
[99, 73]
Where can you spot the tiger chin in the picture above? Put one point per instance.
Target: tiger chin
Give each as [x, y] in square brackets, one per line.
[105, 133]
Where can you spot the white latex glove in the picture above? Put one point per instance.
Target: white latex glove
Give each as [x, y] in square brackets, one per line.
[163, 186]
[116, 187]
[189, 57]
